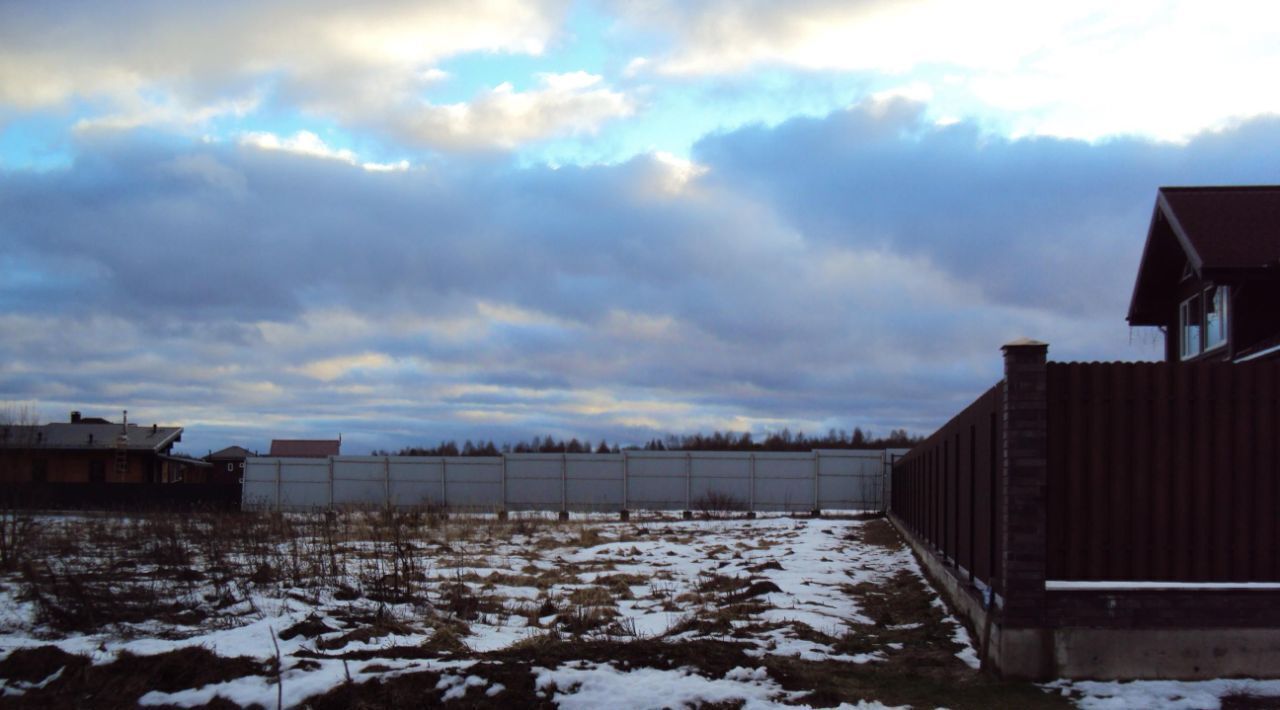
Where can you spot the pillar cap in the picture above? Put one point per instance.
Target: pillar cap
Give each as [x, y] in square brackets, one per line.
[1024, 343]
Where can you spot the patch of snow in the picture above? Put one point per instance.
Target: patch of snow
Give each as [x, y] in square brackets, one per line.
[588, 686]
[1161, 694]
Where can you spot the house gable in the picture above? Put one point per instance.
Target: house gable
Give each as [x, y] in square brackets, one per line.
[1211, 245]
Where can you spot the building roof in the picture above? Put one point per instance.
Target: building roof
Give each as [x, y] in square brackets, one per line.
[305, 448]
[1223, 234]
[231, 452]
[81, 436]
[187, 461]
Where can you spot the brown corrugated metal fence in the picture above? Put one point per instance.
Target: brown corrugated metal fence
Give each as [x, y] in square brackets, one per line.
[1164, 472]
[1156, 472]
[944, 489]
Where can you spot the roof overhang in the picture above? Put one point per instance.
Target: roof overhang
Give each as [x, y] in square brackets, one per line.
[1168, 250]
[1163, 257]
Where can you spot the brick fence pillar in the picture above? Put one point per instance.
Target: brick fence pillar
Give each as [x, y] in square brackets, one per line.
[1023, 478]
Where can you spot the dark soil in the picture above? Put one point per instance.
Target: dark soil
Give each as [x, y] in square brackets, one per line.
[119, 683]
[879, 532]
[512, 668]
[310, 627]
[32, 665]
[1249, 702]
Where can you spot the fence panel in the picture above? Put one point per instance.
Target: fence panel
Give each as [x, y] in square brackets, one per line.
[416, 481]
[260, 489]
[594, 482]
[535, 481]
[658, 480]
[1163, 472]
[474, 483]
[654, 480]
[852, 480]
[784, 482]
[722, 480]
[304, 483]
[359, 479]
[945, 489]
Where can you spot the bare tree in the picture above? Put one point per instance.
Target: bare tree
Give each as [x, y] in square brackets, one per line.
[18, 439]
[18, 422]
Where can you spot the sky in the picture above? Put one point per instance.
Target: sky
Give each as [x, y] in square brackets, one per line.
[413, 222]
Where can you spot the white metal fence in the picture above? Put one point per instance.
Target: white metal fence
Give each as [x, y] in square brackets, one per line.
[833, 479]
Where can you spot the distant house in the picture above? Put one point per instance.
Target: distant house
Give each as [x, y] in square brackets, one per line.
[305, 448]
[90, 450]
[228, 464]
[1210, 273]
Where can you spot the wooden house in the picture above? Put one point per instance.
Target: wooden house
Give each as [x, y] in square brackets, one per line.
[227, 464]
[1210, 273]
[85, 450]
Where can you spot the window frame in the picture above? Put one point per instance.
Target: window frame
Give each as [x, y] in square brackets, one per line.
[1185, 326]
[1221, 297]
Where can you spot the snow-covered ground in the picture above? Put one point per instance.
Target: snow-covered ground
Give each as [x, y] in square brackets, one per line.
[343, 601]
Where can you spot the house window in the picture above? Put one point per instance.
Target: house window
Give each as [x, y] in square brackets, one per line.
[231, 466]
[1215, 317]
[1190, 317]
[97, 472]
[39, 471]
[1202, 321]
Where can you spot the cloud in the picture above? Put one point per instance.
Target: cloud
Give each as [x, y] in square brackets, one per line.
[859, 269]
[176, 64]
[1083, 69]
[308, 143]
[574, 103]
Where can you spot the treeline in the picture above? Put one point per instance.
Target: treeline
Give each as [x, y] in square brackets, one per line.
[717, 441]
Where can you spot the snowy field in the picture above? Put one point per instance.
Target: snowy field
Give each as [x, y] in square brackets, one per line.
[384, 610]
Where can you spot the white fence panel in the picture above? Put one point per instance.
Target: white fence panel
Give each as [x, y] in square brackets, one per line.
[657, 480]
[360, 480]
[535, 481]
[784, 482]
[474, 483]
[259, 490]
[417, 481]
[304, 483]
[635, 480]
[721, 479]
[594, 482]
[850, 480]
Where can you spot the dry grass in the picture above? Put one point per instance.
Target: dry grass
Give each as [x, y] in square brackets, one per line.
[413, 585]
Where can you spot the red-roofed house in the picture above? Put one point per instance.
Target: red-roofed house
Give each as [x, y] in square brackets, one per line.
[1210, 273]
[305, 448]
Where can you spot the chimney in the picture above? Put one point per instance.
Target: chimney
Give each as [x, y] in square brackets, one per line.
[75, 417]
[124, 425]
[90, 437]
[154, 428]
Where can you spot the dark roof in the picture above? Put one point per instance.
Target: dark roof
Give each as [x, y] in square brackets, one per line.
[1225, 234]
[187, 461]
[305, 448]
[231, 452]
[65, 435]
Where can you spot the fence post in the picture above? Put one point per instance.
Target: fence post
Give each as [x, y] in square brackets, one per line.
[330, 483]
[817, 471]
[564, 486]
[1023, 478]
[751, 502]
[688, 485]
[278, 502]
[386, 481]
[444, 482]
[504, 485]
[626, 484]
